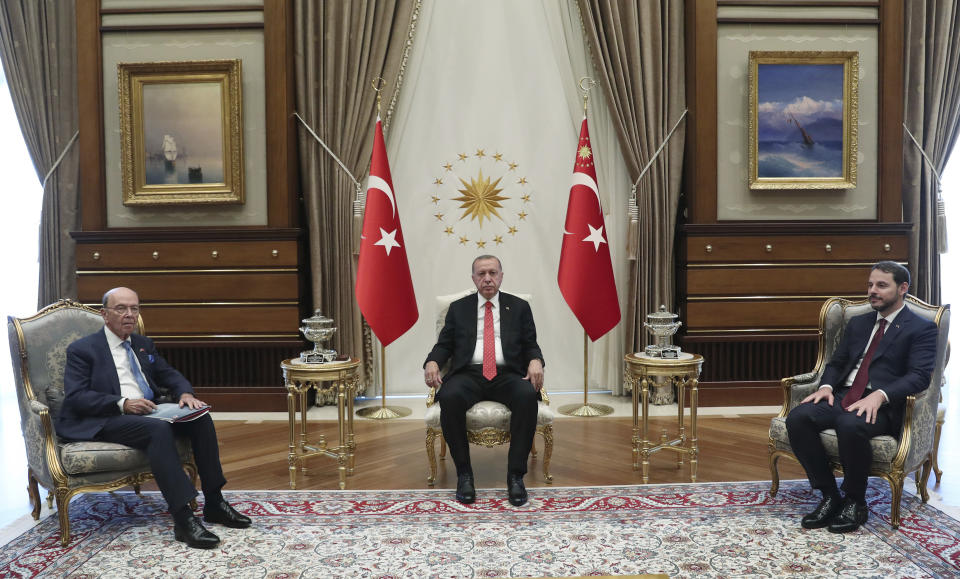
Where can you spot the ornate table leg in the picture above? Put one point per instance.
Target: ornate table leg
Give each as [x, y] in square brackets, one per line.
[694, 449]
[680, 383]
[342, 442]
[351, 442]
[292, 419]
[645, 441]
[635, 439]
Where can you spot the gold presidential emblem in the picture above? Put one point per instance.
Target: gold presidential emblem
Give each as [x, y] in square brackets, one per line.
[480, 199]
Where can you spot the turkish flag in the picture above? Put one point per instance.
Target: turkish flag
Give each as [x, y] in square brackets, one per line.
[384, 287]
[586, 272]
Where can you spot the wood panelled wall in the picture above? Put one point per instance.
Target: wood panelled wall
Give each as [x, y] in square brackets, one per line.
[750, 292]
[224, 304]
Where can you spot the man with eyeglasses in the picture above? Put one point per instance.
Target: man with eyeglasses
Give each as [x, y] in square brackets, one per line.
[112, 380]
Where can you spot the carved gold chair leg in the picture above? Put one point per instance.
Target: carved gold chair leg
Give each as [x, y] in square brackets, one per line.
[896, 492]
[443, 447]
[33, 491]
[533, 448]
[50, 501]
[547, 434]
[774, 475]
[63, 496]
[432, 455]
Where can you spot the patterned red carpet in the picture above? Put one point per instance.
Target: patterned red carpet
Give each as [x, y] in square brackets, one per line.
[719, 529]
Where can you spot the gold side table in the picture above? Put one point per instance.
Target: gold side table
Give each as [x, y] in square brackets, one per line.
[682, 372]
[341, 377]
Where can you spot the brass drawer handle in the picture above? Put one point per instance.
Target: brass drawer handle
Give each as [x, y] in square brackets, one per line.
[155, 255]
[828, 248]
[214, 254]
[274, 253]
[96, 256]
[708, 248]
[886, 247]
[768, 248]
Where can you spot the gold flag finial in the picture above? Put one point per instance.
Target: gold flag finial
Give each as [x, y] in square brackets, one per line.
[586, 83]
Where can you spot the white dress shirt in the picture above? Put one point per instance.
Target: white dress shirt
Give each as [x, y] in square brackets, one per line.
[481, 310]
[853, 373]
[128, 383]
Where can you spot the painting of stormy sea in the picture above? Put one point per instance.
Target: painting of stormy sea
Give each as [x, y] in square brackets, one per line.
[800, 121]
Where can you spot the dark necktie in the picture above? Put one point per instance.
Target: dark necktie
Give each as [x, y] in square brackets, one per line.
[137, 374]
[489, 344]
[862, 377]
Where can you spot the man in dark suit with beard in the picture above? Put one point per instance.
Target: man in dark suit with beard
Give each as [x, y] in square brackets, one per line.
[490, 340]
[883, 358]
[111, 381]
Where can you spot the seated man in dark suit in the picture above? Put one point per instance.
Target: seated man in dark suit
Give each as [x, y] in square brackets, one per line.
[491, 342]
[882, 359]
[110, 382]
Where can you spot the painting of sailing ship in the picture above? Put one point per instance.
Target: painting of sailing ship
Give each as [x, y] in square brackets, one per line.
[182, 131]
[801, 118]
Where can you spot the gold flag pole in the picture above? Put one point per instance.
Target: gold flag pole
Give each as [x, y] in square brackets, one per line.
[384, 412]
[587, 408]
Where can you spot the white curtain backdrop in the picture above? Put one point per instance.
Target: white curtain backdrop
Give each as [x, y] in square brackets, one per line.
[490, 96]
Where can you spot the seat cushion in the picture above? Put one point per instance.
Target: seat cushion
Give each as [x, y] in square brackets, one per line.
[88, 457]
[884, 447]
[488, 414]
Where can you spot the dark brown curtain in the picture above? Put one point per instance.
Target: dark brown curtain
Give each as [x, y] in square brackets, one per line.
[340, 47]
[931, 95]
[38, 45]
[637, 47]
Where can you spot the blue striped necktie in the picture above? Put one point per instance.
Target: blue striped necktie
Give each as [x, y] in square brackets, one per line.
[137, 374]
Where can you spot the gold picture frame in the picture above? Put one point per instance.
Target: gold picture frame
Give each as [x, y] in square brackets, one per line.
[803, 116]
[181, 132]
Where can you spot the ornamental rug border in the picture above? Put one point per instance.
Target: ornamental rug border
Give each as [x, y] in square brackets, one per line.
[710, 529]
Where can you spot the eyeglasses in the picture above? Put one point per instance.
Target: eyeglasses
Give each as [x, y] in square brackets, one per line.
[122, 310]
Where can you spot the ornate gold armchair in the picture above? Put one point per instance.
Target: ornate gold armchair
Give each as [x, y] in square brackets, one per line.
[892, 457]
[38, 347]
[488, 422]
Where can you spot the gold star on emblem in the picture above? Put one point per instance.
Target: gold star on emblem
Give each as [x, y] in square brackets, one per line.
[522, 181]
[439, 216]
[448, 230]
[525, 198]
[522, 215]
[480, 198]
[463, 240]
[448, 167]
[462, 156]
[438, 181]
[498, 157]
[584, 152]
[512, 230]
[434, 199]
[481, 244]
[498, 239]
[512, 166]
[480, 153]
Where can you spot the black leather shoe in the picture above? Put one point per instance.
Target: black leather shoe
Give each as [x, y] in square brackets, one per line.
[515, 490]
[466, 493]
[221, 512]
[852, 515]
[194, 535]
[824, 514]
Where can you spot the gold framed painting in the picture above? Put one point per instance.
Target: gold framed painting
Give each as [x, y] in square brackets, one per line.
[803, 119]
[181, 132]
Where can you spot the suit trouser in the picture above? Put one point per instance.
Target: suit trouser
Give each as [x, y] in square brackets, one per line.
[804, 424]
[465, 388]
[157, 439]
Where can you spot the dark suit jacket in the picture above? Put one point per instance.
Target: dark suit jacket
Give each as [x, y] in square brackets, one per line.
[458, 338]
[902, 362]
[91, 387]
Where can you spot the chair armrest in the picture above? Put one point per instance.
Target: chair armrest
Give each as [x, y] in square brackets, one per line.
[431, 396]
[796, 388]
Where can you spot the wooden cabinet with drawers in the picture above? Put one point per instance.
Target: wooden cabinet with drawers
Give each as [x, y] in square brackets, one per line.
[224, 306]
[751, 294]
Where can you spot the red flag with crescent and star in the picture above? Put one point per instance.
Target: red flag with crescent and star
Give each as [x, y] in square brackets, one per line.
[384, 287]
[586, 271]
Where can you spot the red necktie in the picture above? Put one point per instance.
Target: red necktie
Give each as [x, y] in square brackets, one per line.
[862, 377]
[489, 344]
